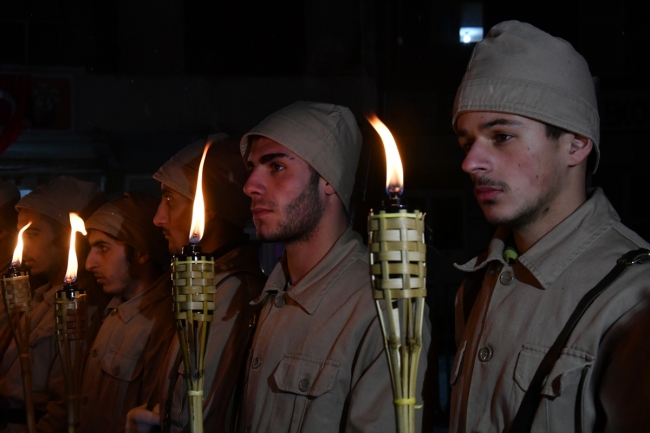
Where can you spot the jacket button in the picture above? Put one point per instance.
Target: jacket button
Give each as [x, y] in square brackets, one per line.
[279, 301]
[116, 370]
[484, 354]
[304, 385]
[256, 362]
[94, 353]
[506, 278]
[114, 312]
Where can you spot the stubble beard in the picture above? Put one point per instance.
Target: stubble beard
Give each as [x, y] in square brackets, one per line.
[528, 212]
[302, 216]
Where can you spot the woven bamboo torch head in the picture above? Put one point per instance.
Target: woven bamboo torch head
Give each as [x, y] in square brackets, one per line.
[70, 309]
[193, 270]
[15, 284]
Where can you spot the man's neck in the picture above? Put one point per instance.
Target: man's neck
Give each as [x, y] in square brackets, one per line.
[302, 257]
[56, 278]
[146, 278]
[527, 236]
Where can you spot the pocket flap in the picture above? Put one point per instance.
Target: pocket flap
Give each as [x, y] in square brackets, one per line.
[303, 375]
[121, 366]
[458, 363]
[567, 368]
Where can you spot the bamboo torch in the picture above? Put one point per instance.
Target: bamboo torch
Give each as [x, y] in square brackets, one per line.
[398, 269]
[70, 313]
[17, 296]
[193, 282]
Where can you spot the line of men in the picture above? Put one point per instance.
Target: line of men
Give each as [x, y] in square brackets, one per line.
[302, 350]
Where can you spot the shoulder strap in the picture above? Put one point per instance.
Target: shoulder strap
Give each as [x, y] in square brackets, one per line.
[524, 419]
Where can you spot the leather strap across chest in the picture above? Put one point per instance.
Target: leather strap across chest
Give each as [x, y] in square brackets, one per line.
[524, 419]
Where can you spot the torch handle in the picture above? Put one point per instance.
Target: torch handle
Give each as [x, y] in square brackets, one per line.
[20, 325]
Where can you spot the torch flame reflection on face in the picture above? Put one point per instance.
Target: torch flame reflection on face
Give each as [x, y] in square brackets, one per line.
[394, 171]
[18, 252]
[76, 225]
[198, 209]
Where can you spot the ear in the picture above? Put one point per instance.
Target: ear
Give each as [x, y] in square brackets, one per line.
[142, 257]
[579, 149]
[329, 189]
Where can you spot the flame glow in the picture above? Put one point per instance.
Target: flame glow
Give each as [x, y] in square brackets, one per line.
[198, 209]
[76, 225]
[394, 171]
[18, 252]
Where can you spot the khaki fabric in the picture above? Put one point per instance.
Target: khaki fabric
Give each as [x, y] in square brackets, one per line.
[126, 357]
[62, 195]
[522, 70]
[326, 136]
[224, 176]
[130, 219]
[600, 379]
[47, 374]
[239, 280]
[318, 362]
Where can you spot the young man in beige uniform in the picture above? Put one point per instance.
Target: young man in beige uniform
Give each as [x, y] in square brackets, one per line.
[317, 363]
[46, 255]
[126, 254]
[238, 279]
[526, 117]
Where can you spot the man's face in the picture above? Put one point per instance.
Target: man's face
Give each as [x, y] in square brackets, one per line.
[108, 261]
[516, 169]
[174, 215]
[285, 192]
[43, 253]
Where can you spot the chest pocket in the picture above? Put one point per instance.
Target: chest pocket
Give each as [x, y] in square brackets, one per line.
[121, 366]
[563, 390]
[300, 379]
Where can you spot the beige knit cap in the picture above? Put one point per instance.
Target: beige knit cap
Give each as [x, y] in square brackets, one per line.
[8, 192]
[326, 136]
[522, 70]
[62, 195]
[130, 219]
[224, 176]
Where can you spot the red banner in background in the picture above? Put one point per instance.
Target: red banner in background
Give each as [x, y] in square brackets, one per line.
[15, 92]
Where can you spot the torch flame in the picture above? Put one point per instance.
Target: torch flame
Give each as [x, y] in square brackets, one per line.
[18, 252]
[76, 225]
[394, 171]
[198, 210]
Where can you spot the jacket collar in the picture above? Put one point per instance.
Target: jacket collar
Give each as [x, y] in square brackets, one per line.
[553, 253]
[310, 291]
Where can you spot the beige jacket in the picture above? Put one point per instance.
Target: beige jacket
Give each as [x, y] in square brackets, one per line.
[239, 280]
[47, 374]
[126, 357]
[318, 362]
[602, 380]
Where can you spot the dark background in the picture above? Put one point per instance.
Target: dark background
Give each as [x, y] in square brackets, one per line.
[144, 78]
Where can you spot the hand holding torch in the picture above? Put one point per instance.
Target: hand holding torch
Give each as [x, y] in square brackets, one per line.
[17, 297]
[398, 269]
[70, 313]
[194, 290]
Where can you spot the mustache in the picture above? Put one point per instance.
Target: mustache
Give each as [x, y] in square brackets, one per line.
[486, 181]
[264, 203]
